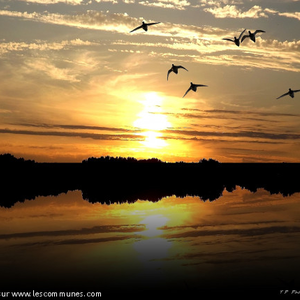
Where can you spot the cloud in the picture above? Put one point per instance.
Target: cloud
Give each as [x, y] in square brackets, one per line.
[172, 4]
[216, 3]
[267, 54]
[42, 45]
[46, 67]
[238, 134]
[231, 11]
[77, 127]
[79, 241]
[46, 2]
[85, 135]
[223, 133]
[241, 232]
[72, 2]
[83, 231]
[204, 40]
[245, 112]
[295, 15]
[115, 22]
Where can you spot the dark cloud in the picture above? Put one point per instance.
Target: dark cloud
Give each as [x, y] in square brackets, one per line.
[229, 114]
[259, 135]
[240, 232]
[199, 226]
[76, 127]
[245, 112]
[239, 134]
[225, 259]
[94, 136]
[79, 241]
[83, 231]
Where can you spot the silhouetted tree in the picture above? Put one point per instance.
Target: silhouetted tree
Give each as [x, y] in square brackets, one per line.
[8, 158]
[210, 161]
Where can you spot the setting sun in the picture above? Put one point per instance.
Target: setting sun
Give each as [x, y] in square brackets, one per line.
[151, 119]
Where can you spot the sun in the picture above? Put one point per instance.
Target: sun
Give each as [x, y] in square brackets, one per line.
[151, 120]
[152, 117]
[153, 140]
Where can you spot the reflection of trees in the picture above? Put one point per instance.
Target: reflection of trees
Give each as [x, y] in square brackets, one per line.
[109, 180]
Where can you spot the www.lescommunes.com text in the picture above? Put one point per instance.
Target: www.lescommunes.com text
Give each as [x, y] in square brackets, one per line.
[37, 294]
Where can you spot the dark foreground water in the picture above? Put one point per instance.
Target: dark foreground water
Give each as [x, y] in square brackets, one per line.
[243, 243]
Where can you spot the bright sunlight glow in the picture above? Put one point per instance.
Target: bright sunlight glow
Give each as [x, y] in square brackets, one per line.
[151, 119]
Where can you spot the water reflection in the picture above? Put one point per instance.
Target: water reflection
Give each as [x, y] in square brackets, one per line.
[152, 249]
[242, 242]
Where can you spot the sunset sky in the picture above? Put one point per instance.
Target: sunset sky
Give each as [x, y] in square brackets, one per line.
[76, 83]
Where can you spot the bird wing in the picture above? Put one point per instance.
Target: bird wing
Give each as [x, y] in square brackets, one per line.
[169, 73]
[245, 36]
[152, 23]
[257, 31]
[187, 91]
[242, 33]
[200, 85]
[136, 28]
[181, 67]
[231, 40]
[295, 91]
[283, 95]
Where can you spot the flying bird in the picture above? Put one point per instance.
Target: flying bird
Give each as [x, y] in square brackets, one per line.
[175, 70]
[251, 35]
[290, 93]
[235, 40]
[144, 26]
[193, 87]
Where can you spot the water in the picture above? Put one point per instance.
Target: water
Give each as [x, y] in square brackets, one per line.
[241, 243]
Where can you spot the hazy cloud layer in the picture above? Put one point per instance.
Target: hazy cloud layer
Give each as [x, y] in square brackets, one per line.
[227, 132]
[42, 45]
[204, 40]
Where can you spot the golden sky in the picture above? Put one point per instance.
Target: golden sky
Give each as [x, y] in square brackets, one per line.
[76, 83]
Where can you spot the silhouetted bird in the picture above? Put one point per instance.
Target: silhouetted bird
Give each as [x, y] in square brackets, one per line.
[251, 35]
[193, 87]
[144, 26]
[175, 70]
[290, 93]
[235, 40]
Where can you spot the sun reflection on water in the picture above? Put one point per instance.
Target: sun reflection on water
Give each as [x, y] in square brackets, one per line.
[153, 222]
[153, 249]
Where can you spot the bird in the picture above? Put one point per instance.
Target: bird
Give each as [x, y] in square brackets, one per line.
[144, 26]
[175, 70]
[193, 87]
[235, 40]
[251, 35]
[290, 93]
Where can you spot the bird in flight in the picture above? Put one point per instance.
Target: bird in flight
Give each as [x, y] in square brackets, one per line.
[251, 35]
[144, 26]
[193, 87]
[290, 93]
[175, 70]
[235, 40]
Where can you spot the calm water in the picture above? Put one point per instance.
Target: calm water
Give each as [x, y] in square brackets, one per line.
[239, 243]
